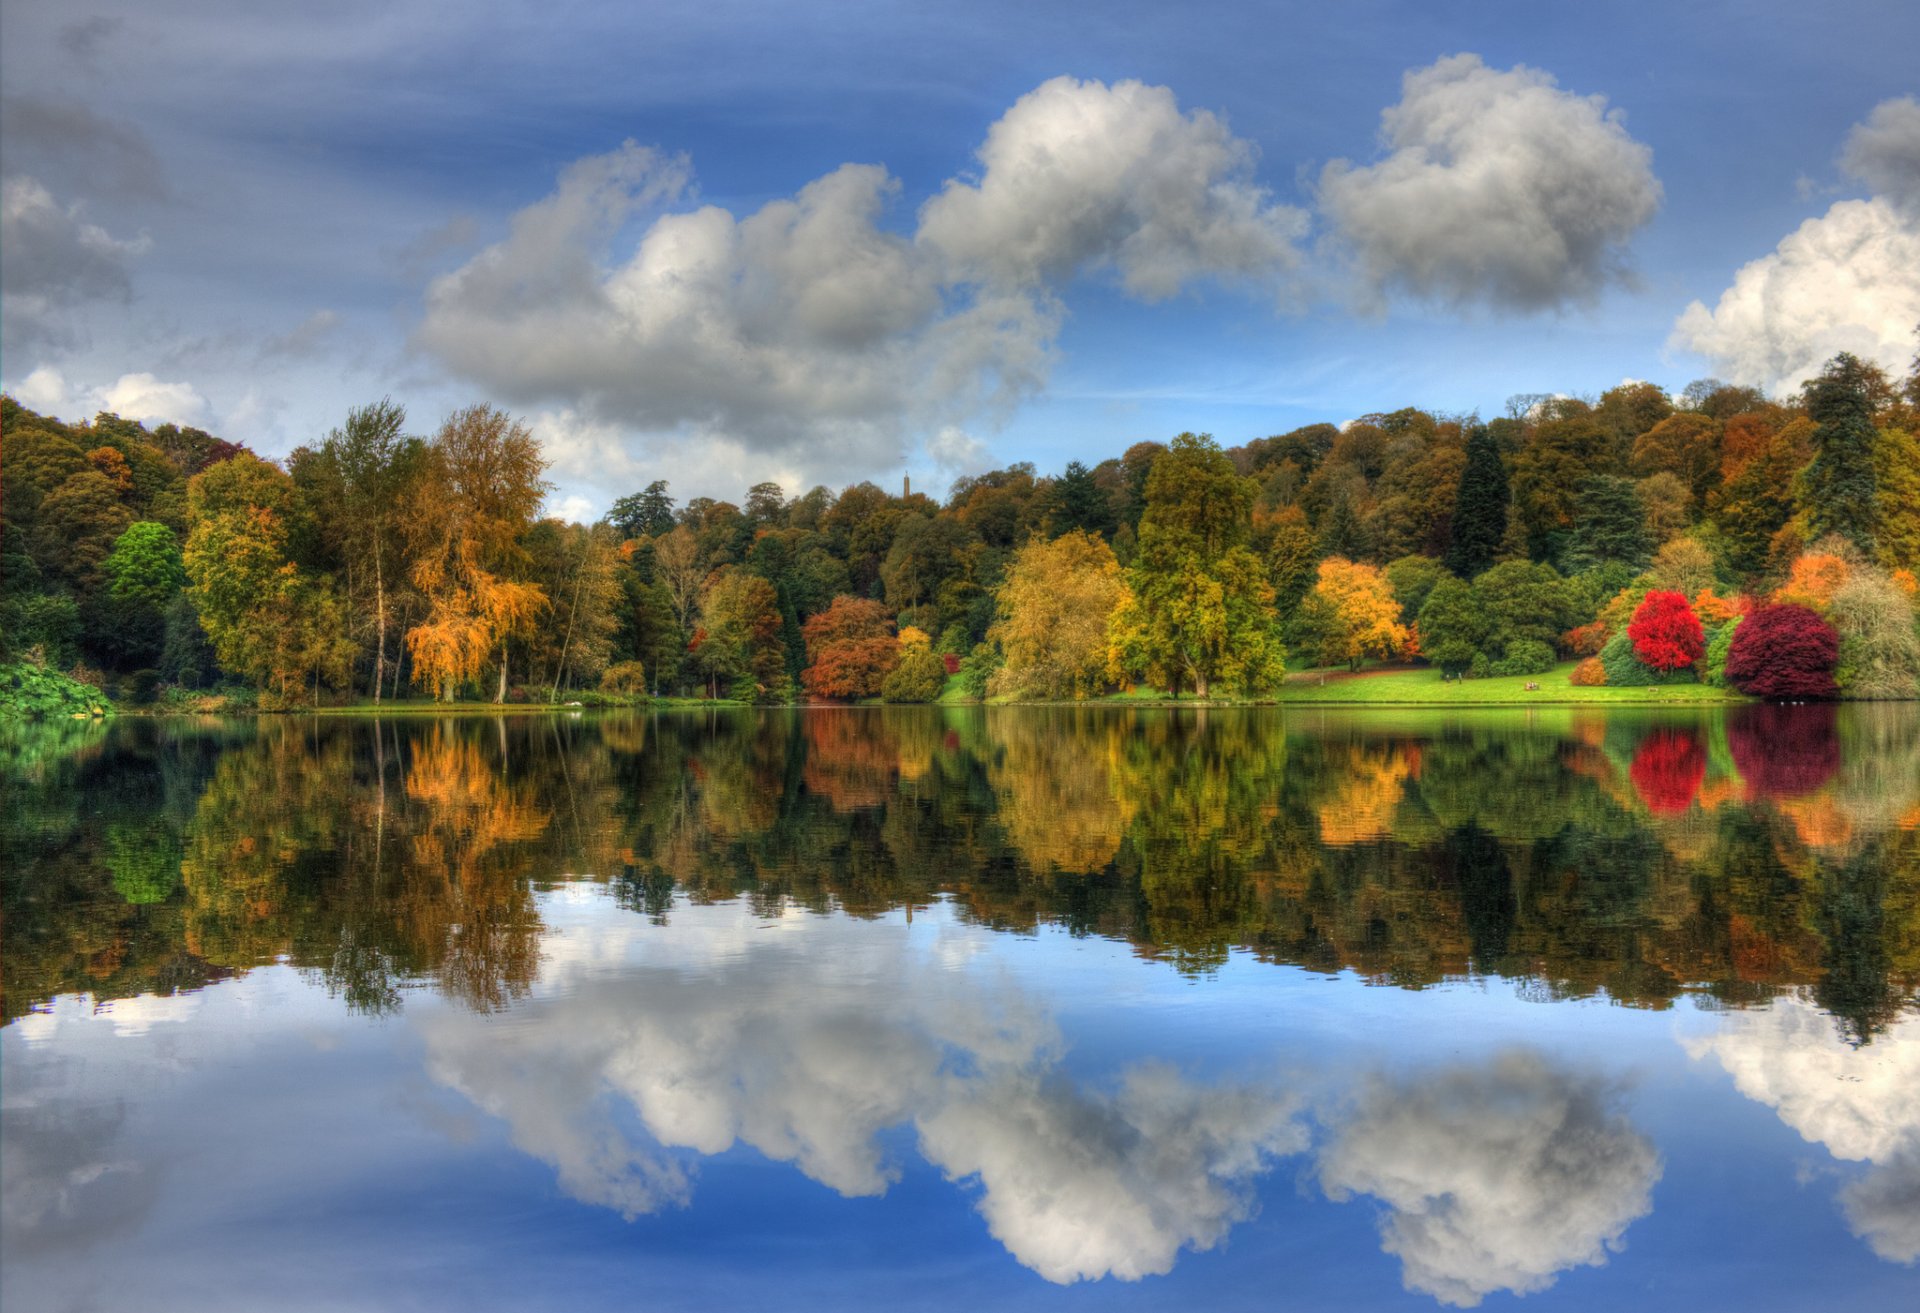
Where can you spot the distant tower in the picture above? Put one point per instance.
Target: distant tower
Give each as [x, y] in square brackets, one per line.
[906, 486]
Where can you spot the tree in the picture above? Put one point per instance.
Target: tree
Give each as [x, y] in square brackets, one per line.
[1784, 651]
[1357, 613]
[1841, 484]
[1666, 634]
[144, 568]
[1522, 601]
[919, 677]
[1413, 579]
[1199, 605]
[1054, 606]
[1896, 531]
[1879, 650]
[1076, 502]
[1814, 579]
[1453, 627]
[741, 625]
[851, 649]
[480, 485]
[1479, 508]
[1293, 558]
[1548, 474]
[647, 514]
[1687, 446]
[1610, 524]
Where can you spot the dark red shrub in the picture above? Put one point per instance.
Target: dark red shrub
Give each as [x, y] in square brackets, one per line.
[1784, 752]
[1784, 651]
[1666, 633]
[1668, 770]
[951, 662]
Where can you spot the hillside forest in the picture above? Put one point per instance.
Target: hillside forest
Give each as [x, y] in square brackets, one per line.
[1720, 535]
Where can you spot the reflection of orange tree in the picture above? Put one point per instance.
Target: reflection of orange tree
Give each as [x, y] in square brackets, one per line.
[467, 882]
[1367, 791]
[852, 759]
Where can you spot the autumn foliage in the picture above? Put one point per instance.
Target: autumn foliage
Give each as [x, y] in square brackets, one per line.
[1588, 674]
[851, 649]
[1784, 651]
[1813, 580]
[1666, 633]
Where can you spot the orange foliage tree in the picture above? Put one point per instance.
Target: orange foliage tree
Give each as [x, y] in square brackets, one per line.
[1813, 580]
[851, 649]
[477, 495]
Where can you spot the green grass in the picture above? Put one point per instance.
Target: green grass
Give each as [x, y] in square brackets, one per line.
[1427, 688]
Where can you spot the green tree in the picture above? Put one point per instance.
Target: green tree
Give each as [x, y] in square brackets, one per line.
[919, 677]
[1453, 627]
[1480, 507]
[1200, 610]
[645, 514]
[1841, 485]
[1610, 525]
[1077, 502]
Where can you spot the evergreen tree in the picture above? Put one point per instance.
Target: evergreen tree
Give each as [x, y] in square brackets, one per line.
[1341, 533]
[1480, 509]
[1840, 483]
[1079, 503]
[1610, 525]
[643, 514]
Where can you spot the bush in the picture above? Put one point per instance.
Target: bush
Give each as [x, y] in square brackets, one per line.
[979, 667]
[1588, 674]
[1784, 651]
[1666, 633]
[1480, 667]
[36, 693]
[1879, 651]
[1625, 670]
[625, 677]
[141, 685]
[919, 677]
[1525, 656]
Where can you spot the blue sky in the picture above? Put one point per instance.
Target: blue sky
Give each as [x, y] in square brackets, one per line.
[254, 216]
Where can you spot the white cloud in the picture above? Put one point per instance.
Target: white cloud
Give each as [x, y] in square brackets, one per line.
[955, 452]
[1846, 281]
[1498, 1179]
[1498, 187]
[809, 1042]
[1080, 175]
[1862, 1103]
[131, 396]
[1884, 151]
[810, 336]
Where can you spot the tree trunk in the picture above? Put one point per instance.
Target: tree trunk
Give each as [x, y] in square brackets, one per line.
[380, 625]
[1199, 685]
[501, 696]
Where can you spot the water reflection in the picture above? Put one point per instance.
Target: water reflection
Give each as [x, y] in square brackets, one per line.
[1736, 854]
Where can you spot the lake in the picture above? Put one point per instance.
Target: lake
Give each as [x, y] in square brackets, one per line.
[942, 1008]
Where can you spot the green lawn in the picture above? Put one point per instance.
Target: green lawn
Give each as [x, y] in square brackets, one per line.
[1414, 687]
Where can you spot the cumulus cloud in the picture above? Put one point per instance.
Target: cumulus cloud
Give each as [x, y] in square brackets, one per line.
[1848, 280]
[1497, 187]
[809, 332]
[1497, 1178]
[1860, 1103]
[131, 396]
[1080, 175]
[1884, 151]
[808, 1044]
[55, 260]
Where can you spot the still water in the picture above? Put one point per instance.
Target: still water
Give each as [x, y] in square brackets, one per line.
[931, 1008]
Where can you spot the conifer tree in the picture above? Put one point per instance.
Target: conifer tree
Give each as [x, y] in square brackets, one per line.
[1480, 509]
[1840, 483]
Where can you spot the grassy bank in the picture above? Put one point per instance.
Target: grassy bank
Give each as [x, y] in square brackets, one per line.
[1425, 687]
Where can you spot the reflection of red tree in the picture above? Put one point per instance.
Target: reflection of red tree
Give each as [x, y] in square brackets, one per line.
[1668, 769]
[1784, 751]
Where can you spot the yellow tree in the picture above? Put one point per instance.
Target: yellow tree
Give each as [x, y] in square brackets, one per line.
[1054, 606]
[476, 497]
[1358, 614]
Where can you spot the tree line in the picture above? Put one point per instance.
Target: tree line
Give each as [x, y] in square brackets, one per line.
[1641, 531]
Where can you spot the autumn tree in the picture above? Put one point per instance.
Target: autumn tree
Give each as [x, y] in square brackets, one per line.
[740, 633]
[1355, 613]
[1665, 633]
[1784, 651]
[1687, 446]
[1896, 529]
[1293, 555]
[1054, 605]
[851, 649]
[1479, 508]
[1199, 605]
[480, 484]
[1879, 649]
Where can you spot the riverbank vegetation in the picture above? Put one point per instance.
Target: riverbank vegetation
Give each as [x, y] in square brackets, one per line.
[1625, 542]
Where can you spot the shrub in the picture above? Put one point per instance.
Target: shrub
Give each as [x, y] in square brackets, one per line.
[951, 662]
[1525, 656]
[919, 677]
[1879, 651]
[1625, 670]
[979, 667]
[1666, 633]
[1588, 674]
[624, 677]
[34, 692]
[1480, 667]
[1784, 651]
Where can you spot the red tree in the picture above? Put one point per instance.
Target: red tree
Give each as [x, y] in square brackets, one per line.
[1667, 770]
[851, 647]
[1784, 651]
[1666, 633]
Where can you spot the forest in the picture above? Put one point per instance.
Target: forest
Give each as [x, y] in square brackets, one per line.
[1721, 536]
